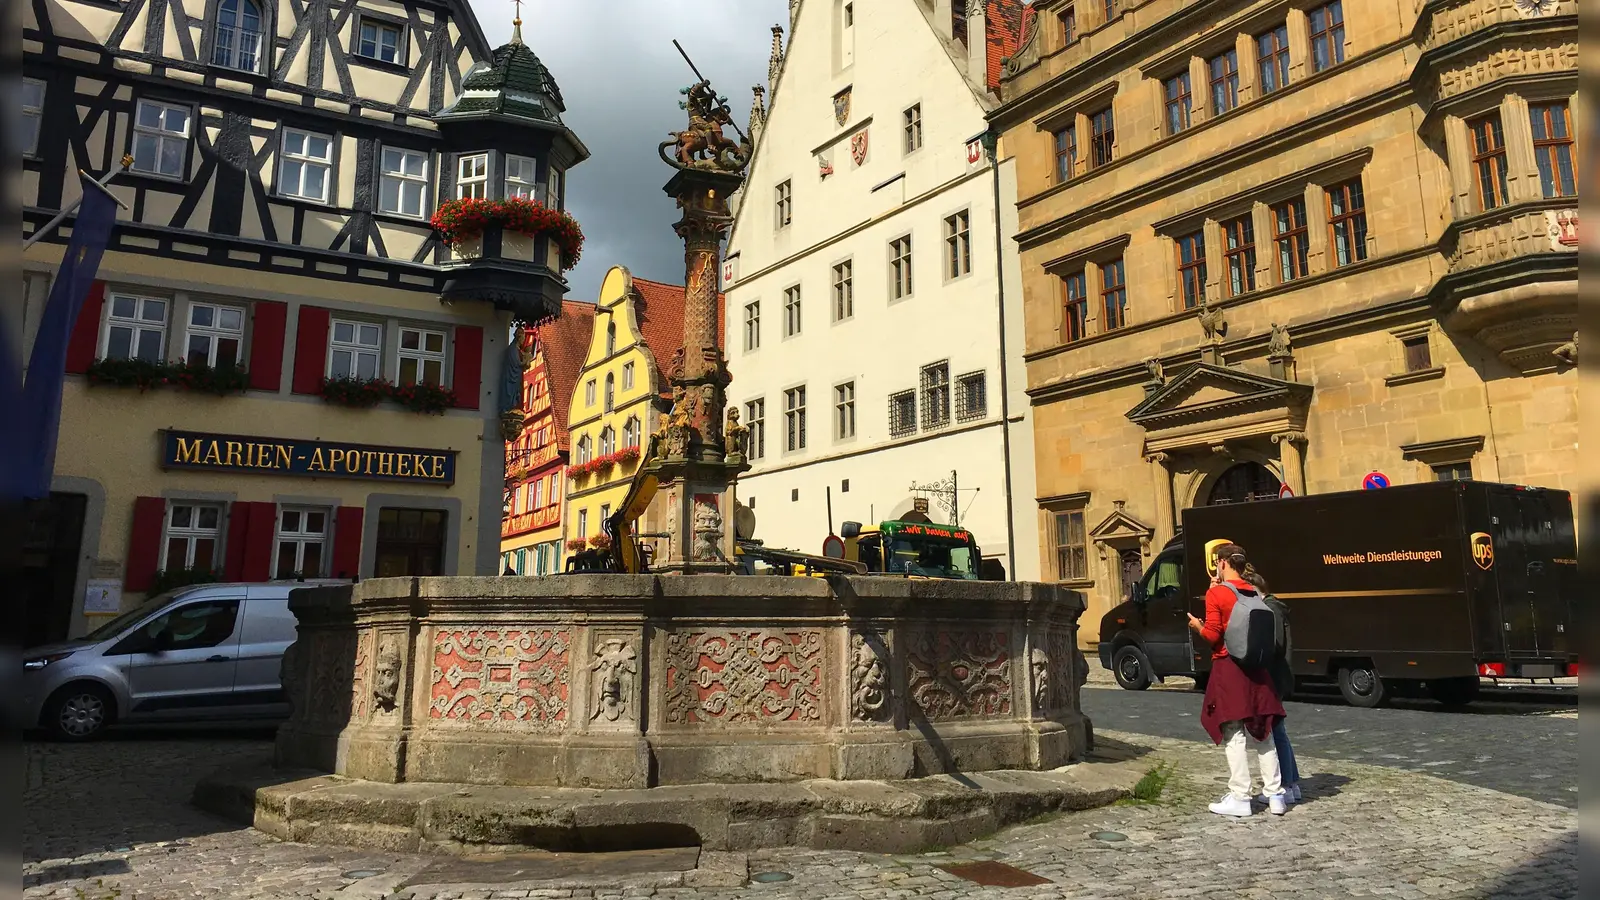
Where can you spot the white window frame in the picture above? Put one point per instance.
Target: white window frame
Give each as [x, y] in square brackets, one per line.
[162, 135]
[844, 411]
[522, 177]
[553, 187]
[356, 347]
[755, 415]
[627, 376]
[958, 245]
[608, 441]
[306, 161]
[379, 26]
[229, 43]
[583, 524]
[900, 271]
[585, 449]
[632, 432]
[421, 355]
[215, 332]
[402, 180]
[589, 389]
[793, 320]
[752, 325]
[190, 533]
[136, 323]
[844, 290]
[794, 418]
[472, 176]
[32, 114]
[301, 538]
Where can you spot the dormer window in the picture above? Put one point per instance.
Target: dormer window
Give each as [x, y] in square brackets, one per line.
[379, 40]
[472, 176]
[238, 38]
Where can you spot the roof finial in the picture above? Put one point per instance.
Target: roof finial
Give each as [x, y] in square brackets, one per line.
[516, 23]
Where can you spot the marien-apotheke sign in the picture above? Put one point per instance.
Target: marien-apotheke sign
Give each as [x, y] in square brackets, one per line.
[311, 459]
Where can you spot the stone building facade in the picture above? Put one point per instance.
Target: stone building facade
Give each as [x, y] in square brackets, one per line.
[1271, 244]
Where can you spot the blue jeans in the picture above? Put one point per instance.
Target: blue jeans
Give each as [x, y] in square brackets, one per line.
[1280, 739]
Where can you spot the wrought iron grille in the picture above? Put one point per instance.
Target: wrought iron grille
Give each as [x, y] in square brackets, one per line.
[902, 413]
[972, 400]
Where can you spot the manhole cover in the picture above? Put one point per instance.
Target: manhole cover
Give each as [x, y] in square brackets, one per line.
[1109, 836]
[771, 877]
[994, 874]
[360, 873]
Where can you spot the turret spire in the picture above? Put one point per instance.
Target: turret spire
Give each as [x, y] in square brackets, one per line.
[516, 23]
[758, 112]
[775, 64]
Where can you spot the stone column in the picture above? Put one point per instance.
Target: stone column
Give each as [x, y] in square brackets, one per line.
[1291, 454]
[1166, 518]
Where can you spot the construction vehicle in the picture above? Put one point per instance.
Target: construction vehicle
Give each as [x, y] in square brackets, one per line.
[914, 548]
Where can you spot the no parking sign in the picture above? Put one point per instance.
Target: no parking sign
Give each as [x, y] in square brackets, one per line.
[1374, 481]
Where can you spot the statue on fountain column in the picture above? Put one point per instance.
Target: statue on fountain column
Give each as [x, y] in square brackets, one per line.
[703, 145]
[736, 435]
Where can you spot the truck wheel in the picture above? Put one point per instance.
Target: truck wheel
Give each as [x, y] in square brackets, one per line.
[78, 712]
[1454, 691]
[1131, 668]
[1361, 686]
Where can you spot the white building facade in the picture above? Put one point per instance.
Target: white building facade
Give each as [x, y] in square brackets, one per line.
[874, 326]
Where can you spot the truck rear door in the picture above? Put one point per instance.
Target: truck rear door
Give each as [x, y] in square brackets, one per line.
[1525, 550]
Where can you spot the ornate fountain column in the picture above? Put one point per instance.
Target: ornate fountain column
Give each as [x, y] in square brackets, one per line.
[698, 458]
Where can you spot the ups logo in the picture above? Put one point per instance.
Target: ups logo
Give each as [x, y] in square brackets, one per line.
[1482, 550]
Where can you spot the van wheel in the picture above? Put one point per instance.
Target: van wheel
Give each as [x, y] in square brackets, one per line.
[1454, 691]
[79, 712]
[1131, 668]
[1362, 687]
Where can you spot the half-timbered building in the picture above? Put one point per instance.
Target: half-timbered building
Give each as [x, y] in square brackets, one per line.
[275, 306]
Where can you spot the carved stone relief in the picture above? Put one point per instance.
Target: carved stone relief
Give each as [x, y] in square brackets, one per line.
[516, 675]
[869, 677]
[956, 675]
[744, 676]
[1524, 235]
[1039, 663]
[1503, 62]
[613, 680]
[386, 675]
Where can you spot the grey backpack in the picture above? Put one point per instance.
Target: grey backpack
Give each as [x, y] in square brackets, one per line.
[1254, 637]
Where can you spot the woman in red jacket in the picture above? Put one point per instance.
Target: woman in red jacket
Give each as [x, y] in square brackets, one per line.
[1241, 705]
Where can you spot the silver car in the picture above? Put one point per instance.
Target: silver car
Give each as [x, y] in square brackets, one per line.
[203, 653]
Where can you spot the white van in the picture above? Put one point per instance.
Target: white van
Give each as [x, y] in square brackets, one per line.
[207, 652]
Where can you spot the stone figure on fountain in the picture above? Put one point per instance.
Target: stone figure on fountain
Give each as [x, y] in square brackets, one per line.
[702, 145]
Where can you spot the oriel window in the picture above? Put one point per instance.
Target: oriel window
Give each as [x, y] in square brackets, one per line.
[1294, 244]
[1552, 148]
[1489, 160]
[521, 177]
[1192, 268]
[472, 177]
[1347, 222]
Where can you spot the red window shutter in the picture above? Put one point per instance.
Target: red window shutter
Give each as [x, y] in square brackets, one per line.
[238, 536]
[347, 542]
[144, 542]
[85, 342]
[310, 350]
[467, 379]
[262, 528]
[266, 344]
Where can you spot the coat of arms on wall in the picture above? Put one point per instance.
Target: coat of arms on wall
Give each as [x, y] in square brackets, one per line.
[841, 107]
[858, 147]
[824, 166]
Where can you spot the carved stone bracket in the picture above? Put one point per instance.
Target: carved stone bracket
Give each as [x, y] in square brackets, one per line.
[869, 677]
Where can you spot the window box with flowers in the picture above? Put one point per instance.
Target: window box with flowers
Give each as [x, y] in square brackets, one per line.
[603, 463]
[463, 224]
[600, 541]
[355, 393]
[422, 397]
[144, 375]
[577, 544]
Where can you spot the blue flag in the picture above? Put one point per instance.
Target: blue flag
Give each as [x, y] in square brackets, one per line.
[47, 366]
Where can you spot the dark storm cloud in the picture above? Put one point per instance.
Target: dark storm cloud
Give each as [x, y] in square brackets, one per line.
[620, 77]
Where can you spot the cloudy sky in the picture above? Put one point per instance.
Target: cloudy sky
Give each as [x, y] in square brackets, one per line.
[620, 77]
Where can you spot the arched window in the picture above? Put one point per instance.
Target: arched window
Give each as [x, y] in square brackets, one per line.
[611, 392]
[608, 441]
[611, 338]
[585, 449]
[1243, 483]
[630, 432]
[238, 38]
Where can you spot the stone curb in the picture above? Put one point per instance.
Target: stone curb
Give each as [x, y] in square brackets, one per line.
[873, 816]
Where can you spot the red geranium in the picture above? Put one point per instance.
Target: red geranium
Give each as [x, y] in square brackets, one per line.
[467, 218]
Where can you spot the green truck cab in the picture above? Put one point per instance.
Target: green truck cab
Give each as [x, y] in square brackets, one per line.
[913, 549]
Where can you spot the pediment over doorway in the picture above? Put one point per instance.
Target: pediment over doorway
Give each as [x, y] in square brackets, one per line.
[1122, 530]
[1207, 406]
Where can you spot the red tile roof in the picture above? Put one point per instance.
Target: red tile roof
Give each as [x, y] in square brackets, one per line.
[1006, 25]
[660, 310]
[565, 343]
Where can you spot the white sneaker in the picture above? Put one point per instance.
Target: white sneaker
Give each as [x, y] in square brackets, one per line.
[1291, 795]
[1278, 804]
[1233, 806]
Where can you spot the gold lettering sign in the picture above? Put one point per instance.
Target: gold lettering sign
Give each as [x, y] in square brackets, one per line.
[315, 459]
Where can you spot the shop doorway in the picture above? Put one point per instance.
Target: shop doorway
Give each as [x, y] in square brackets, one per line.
[411, 542]
[51, 550]
[1244, 482]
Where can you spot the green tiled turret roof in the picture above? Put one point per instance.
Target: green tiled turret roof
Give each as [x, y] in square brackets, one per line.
[513, 82]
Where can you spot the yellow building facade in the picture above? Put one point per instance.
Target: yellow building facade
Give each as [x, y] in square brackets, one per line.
[620, 394]
[1272, 246]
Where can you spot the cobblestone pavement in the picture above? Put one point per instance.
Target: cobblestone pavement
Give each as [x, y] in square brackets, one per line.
[111, 820]
[1528, 749]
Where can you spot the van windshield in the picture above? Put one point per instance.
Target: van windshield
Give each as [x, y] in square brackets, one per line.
[119, 624]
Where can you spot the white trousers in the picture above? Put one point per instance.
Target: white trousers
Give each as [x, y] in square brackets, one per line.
[1238, 745]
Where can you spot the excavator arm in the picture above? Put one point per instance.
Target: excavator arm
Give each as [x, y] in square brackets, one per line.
[626, 554]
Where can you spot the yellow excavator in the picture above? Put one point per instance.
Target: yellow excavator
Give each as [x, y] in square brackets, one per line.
[628, 555]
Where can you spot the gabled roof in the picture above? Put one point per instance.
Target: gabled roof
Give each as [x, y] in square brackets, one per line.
[1006, 25]
[659, 308]
[564, 343]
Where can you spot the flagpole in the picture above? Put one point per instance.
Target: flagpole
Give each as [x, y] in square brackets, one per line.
[53, 224]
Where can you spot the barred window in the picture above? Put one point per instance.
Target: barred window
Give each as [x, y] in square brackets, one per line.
[902, 413]
[936, 395]
[972, 400]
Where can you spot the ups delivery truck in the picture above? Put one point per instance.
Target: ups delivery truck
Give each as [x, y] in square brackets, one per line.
[1419, 586]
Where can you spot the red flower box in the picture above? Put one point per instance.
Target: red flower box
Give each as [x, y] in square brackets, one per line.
[467, 218]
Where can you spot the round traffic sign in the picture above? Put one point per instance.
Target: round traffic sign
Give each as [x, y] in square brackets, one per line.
[1285, 492]
[833, 547]
[1374, 480]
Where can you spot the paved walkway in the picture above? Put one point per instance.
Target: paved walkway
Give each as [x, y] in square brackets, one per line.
[109, 821]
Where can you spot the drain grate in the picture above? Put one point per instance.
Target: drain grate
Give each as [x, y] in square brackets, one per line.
[771, 877]
[994, 874]
[1109, 836]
